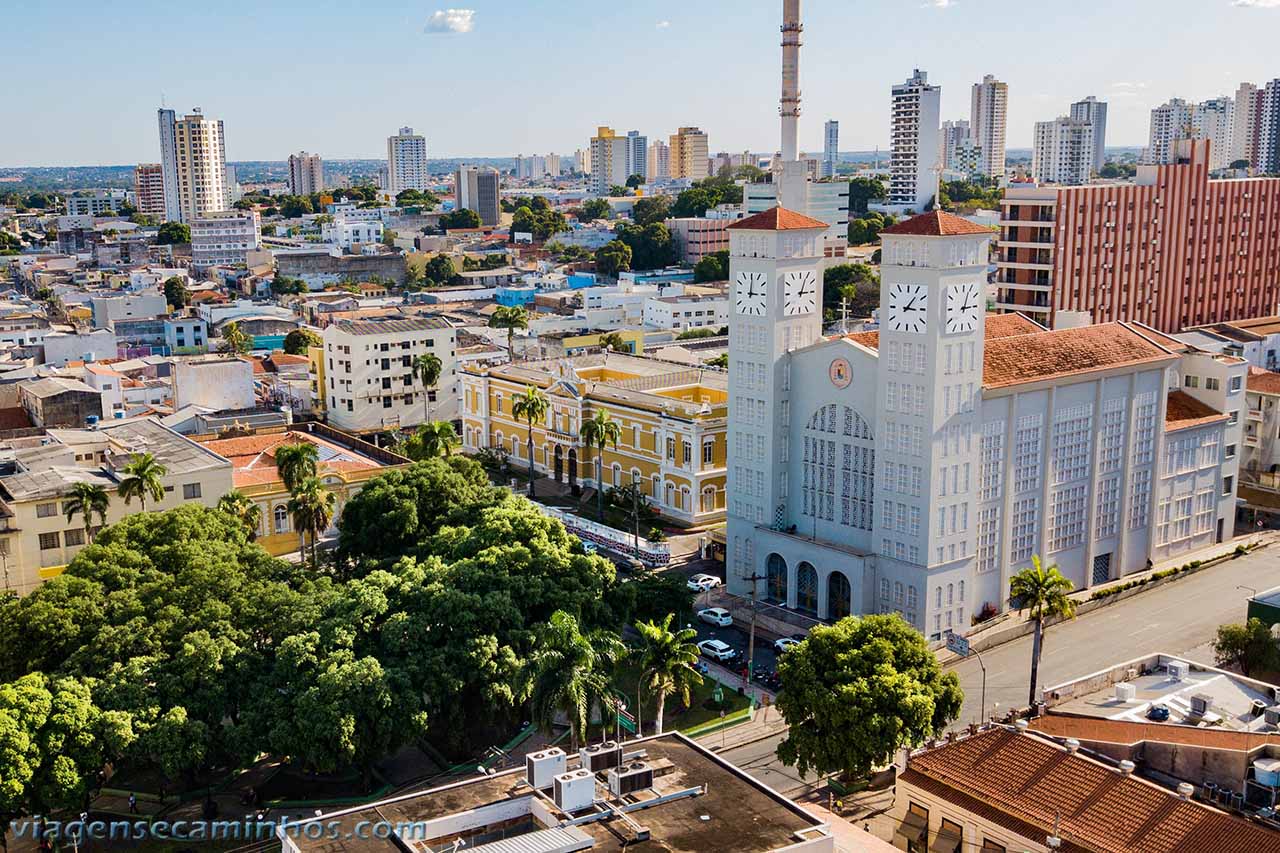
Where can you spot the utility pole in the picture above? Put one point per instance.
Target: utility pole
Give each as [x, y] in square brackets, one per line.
[751, 637]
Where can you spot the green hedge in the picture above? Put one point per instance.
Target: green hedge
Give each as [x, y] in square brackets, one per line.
[1154, 576]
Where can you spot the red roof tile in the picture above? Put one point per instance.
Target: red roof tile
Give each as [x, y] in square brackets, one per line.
[1008, 325]
[936, 223]
[1263, 381]
[1183, 411]
[253, 458]
[1022, 781]
[778, 219]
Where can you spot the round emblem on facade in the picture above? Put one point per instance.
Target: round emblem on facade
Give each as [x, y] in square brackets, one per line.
[840, 372]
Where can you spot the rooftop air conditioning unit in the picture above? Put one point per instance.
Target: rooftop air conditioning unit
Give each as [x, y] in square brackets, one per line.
[542, 767]
[630, 778]
[1125, 692]
[1200, 704]
[574, 791]
[1178, 670]
[1271, 716]
[599, 757]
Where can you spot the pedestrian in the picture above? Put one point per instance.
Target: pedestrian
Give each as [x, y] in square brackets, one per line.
[133, 803]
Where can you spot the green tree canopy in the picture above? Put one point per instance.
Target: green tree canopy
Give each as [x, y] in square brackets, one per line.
[634, 181]
[175, 292]
[1248, 646]
[712, 267]
[595, 208]
[463, 218]
[863, 191]
[417, 198]
[855, 692]
[858, 283]
[651, 245]
[612, 258]
[651, 209]
[283, 284]
[441, 269]
[173, 232]
[539, 220]
[299, 341]
[235, 340]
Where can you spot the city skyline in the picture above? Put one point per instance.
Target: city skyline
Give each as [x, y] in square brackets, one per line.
[315, 100]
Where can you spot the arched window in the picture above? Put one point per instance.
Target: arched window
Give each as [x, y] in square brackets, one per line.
[686, 499]
[709, 499]
[912, 598]
[839, 596]
[617, 475]
[951, 594]
[776, 568]
[655, 488]
[961, 592]
[281, 515]
[937, 598]
[807, 589]
[839, 459]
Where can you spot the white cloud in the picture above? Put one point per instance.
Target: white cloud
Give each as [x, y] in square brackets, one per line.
[662, 25]
[451, 21]
[1257, 4]
[939, 4]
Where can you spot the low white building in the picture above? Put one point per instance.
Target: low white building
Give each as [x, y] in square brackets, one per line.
[678, 313]
[224, 238]
[96, 203]
[349, 233]
[368, 371]
[134, 306]
[61, 347]
[216, 381]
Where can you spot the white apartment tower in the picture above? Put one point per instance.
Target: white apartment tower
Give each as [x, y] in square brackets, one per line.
[913, 167]
[306, 173]
[952, 138]
[194, 162]
[406, 162]
[1244, 131]
[1095, 112]
[659, 160]
[1169, 122]
[1214, 120]
[478, 189]
[609, 161]
[1267, 147]
[830, 147]
[637, 154]
[989, 106]
[1063, 151]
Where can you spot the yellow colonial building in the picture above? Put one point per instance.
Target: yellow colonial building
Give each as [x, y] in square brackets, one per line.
[673, 418]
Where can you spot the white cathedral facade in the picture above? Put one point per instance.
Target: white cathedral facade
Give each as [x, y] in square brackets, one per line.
[917, 468]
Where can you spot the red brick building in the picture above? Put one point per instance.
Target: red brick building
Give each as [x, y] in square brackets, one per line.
[1171, 249]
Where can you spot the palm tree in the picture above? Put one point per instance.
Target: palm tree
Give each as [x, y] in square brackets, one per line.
[1043, 591]
[667, 659]
[237, 504]
[427, 369]
[311, 509]
[568, 672]
[142, 479]
[614, 342]
[234, 339]
[430, 440]
[596, 432]
[296, 462]
[87, 499]
[509, 317]
[530, 406]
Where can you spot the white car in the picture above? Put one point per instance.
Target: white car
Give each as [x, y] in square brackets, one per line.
[717, 616]
[716, 650]
[785, 644]
[702, 583]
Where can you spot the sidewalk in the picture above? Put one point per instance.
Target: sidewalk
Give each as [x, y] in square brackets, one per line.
[765, 722]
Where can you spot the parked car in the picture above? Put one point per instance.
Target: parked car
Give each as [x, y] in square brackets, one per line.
[717, 650]
[1158, 713]
[717, 616]
[785, 644]
[702, 583]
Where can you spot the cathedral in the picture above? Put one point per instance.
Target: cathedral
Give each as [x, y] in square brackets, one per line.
[916, 468]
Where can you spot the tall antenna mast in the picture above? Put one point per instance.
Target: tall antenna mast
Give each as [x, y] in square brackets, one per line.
[789, 106]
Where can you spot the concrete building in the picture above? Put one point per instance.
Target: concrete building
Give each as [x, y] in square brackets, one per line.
[673, 422]
[1245, 120]
[1094, 112]
[913, 166]
[689, 157]
[368, 369]
[478, 189]
[306, 173]
[148, 189]
[952, 138]
[697, 237]
[966, 443]
[1260, 453]
[224, 238]
[84, 345]
[610, 159]
[128, 306]
[1148, 251]
[406, 162]
[194, 162]
[830, 148]
[96, 202]
[351, 234]
[1170, 122]
[659, 165]
[637, 154]
[1214, 120]
[216, 381]
[1267, 144]
[681, 313]
[989, 105]
[825, 200]
[57, 401]
[1063, 151]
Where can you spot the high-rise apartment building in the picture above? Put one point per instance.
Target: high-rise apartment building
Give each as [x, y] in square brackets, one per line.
[478, 189]
[1267, 147]
[609, 161]
[1244, 132]
[148, 188]
[659, 160]
[913, 167]
[232, 183]
[194, 163]
[406, 162]
[953, 136]
[1095, 112]
[1214, 120]
[1063, 151]
[1170, 122]
[582, 161]
[306, 173]
[689, 154]
[637, 154]
[830, 147]
[988, 107]
[1167, 250]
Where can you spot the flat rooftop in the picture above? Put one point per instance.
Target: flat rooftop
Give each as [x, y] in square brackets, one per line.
[735, 814]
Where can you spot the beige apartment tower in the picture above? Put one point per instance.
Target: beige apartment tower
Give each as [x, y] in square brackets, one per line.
[688, 157]
[306, 173]
[194, 163]
[148, 186]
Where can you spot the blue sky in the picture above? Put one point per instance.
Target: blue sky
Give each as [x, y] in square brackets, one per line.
[84, 78]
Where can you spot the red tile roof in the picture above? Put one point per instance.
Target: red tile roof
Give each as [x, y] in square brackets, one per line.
[778, 219]
[1183, 411]
[253, 460]
[936, 223]
[1263, 381]
[1027, 784]
[1008, 325]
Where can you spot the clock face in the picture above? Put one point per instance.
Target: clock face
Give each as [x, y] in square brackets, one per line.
[751, 293]
[840, 373]
[908, 308]
[963, 307]
[800, 293]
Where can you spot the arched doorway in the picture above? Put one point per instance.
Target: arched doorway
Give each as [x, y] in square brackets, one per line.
[573, 467]
[776, 568]
[839, 596]
[559, 463]
[807, 589]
